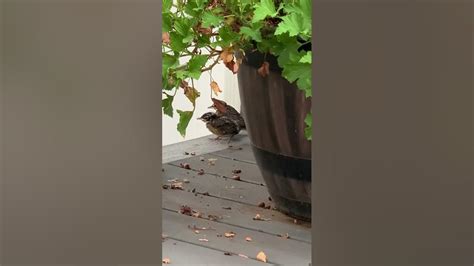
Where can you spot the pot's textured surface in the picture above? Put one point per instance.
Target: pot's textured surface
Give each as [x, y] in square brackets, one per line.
[274, 111]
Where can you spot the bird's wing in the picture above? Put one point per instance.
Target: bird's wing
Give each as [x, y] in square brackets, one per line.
[226, 125]
[219, 105]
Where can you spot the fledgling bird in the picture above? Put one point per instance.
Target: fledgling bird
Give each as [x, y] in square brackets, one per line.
[222, 108]
[220, 125]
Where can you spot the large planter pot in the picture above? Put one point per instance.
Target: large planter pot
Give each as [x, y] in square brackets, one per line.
[274, 111]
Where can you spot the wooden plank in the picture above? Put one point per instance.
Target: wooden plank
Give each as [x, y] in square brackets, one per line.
[202, 145]
[241, 153]
[238, 215]
[223, 167]
[217, 186]
[183, 253]
[278, 250]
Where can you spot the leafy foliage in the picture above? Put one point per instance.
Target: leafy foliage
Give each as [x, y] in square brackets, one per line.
[205, 33]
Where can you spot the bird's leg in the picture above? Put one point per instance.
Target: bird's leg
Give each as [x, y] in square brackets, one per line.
[230, 139]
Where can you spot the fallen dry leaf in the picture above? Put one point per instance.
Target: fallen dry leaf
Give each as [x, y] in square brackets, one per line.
[201, 172]
[212, 161]
[196, 231]
[166, 261]
[248, 239]
[185, 165]
[165, 37]
[264, 70]
[259, 218]
[229, 234]
[177, 185]
[186, 210]
[236, 177]
[261, 256]
[227, 208]
[213, 217]
[244, 256]
[185, 180]
[193, 153]
[203, 240]
[215, 88]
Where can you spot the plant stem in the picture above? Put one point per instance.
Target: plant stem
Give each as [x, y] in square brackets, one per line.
[211, 66]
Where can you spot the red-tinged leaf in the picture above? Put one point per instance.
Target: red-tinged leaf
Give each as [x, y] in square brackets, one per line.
[165, 37]
[232, 66]
[264, 70]
[227, 55]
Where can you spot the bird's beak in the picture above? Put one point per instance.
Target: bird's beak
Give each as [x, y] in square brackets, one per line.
[212, 106]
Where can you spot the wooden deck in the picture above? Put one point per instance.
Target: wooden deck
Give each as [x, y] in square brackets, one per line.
[225, 205]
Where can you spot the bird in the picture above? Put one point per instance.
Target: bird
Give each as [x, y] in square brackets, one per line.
[220, 125]
[222, 108]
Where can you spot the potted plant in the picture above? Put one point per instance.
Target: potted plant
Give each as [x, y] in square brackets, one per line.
[267, 44]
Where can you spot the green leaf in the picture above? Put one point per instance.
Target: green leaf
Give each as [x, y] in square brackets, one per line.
[307, 58]
[184, 118]
[167, 21]
[183, 26]
[167, 105]
[304, 84]
[177, 44]
[188, 38]
[286, 48]
[253, 34]
[209, 19]
[228, 36]
[168, 61]
[293, 24]
[264, 9]
[308, 131]
[166, 7]
[182, 74]
[203, 41]
[194, 6]
[195, 65]
[301, 7]
[300, 72]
